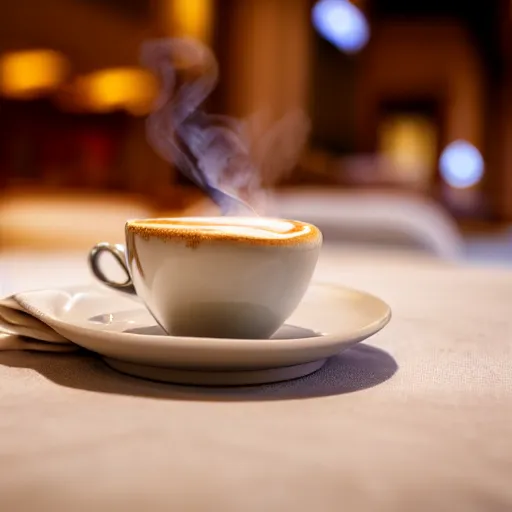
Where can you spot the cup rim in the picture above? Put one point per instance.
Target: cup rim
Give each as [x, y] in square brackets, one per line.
[296, 234]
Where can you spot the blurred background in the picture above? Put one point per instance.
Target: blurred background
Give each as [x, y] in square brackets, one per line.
[410, 105]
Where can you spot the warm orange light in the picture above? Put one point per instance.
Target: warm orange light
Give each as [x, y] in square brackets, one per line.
[188, 18]
[130, 89]
[26, 74]
[409, 142]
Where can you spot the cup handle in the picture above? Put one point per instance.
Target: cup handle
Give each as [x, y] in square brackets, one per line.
[119, 253]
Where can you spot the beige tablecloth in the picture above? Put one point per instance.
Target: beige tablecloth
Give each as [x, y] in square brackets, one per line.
[419, 418]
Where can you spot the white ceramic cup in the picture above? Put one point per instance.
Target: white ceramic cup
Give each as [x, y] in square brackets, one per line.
[222, 277]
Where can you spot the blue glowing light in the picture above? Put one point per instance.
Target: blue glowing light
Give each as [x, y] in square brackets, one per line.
[341, 23]
[461, 164]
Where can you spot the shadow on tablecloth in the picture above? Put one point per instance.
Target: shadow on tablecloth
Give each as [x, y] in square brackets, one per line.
[356, 369]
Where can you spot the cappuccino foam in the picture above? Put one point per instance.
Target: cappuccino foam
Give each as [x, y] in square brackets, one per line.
[251, 230]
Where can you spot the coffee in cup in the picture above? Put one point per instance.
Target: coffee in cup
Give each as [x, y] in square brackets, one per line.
[222, 277]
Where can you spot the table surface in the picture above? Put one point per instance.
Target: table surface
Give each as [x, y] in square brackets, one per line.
[417, 418]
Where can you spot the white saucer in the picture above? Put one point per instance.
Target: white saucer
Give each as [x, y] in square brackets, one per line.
[330, 319]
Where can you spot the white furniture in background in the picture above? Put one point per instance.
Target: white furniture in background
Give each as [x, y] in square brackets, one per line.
[373, 218]
[79, 220]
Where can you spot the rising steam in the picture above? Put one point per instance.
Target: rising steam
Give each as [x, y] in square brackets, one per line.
[230, 160]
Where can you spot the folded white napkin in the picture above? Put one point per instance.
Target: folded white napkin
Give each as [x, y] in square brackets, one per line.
[19, 330]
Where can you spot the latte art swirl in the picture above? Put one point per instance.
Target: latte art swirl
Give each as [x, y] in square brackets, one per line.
[255, 230]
